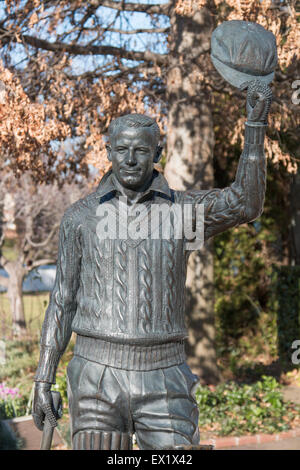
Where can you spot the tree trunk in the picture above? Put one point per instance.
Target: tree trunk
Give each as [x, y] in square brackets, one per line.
[295, 222]
[190, 165]
[14, 292]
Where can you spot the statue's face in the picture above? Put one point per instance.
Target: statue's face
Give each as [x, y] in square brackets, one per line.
[132, 153]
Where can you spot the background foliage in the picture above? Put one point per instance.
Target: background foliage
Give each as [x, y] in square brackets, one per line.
[233, 409]
[54, 117]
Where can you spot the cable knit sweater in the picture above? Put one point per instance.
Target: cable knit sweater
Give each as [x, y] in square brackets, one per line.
[125, 297]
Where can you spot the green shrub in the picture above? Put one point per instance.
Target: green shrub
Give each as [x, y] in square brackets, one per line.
[21, 361]
[233, 409]
[61, 386]
[287, 295]
[245, 320]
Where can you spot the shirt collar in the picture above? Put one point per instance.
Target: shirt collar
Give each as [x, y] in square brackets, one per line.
[158, 184]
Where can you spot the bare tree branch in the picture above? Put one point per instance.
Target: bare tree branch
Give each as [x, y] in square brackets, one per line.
[137, 31]
[42, 262]
[123, 71]
[46, 241]
[78, 49]
[160, 9]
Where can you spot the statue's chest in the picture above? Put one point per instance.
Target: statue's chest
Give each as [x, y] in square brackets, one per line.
[114, 228]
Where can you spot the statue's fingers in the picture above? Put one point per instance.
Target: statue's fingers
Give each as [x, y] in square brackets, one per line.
[261, 97]
[264, 96]
[38, 419]
[253, 100]
[264, 91]
[252, 96]
[50, 415]
[244, 85]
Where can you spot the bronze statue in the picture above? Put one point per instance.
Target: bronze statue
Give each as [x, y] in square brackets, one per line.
[124, 296]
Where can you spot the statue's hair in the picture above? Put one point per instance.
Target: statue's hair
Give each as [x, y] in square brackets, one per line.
[134, 120]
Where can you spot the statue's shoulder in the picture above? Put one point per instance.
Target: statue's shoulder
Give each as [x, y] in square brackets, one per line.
[79, 209]
[190, 196]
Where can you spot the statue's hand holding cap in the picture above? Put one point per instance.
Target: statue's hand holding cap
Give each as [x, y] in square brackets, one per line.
[243, 51]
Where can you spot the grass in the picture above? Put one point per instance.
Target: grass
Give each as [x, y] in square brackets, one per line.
[8, 250]
[21, 361]
[35, 305]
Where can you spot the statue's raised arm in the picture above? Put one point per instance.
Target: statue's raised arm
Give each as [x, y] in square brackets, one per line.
[245, 55]
[243, 200]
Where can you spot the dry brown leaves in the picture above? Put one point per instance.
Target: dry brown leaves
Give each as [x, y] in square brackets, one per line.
[188, 7]
[283, 24]
[25, 129]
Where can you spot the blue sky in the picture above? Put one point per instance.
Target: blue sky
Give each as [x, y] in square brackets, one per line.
[125, 21]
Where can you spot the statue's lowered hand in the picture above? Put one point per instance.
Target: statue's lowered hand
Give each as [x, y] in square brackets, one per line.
[43, 405]
[259, 98]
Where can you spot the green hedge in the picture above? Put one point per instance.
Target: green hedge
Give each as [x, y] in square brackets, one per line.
[232, 409]
[287, 304]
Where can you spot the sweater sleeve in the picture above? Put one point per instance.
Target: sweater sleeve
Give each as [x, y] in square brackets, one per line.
[56, 330]
[243, 200]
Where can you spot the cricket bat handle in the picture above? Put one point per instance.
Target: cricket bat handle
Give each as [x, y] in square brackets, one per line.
[48, 430]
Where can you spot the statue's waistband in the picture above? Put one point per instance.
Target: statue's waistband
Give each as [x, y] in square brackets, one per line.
[128, 356]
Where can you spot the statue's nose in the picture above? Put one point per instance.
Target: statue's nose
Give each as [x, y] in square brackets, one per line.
[131, 160]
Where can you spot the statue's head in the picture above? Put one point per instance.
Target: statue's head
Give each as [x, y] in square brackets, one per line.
[133, 149]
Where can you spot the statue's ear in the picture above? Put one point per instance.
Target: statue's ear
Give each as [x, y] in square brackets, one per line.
[158, 154]
[108, 149]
